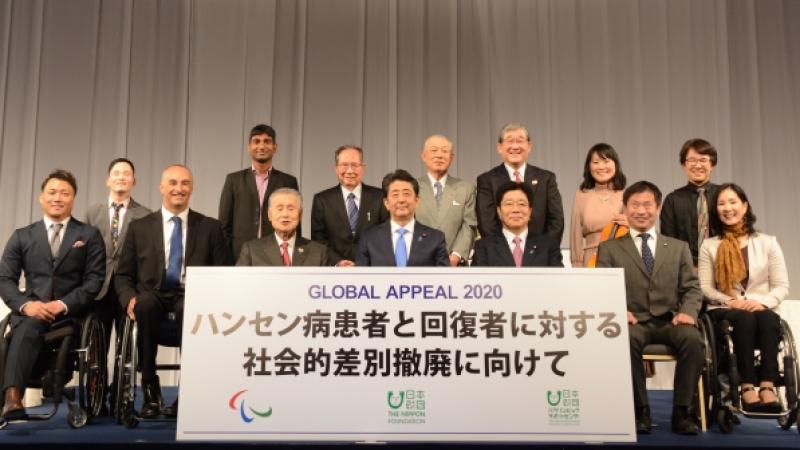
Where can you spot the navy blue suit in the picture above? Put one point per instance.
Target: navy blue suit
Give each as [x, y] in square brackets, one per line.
[75, 277]
[428, 247]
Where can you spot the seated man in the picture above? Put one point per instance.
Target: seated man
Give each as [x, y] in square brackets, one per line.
[514, 245]
[401, 241]
[663, 298]
[64, 264]
[284, 247]
[151, 274]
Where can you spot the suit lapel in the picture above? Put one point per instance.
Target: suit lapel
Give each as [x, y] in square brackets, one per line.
[250, 182]
[629, 247]
[157, 233]
[191, 237]
[41, 241]
[273, 251]
[299, 253]
[531, 177]
[417, 239]
[126, 219]
[385, 243]
[446, 204]
[503, 251]
[663, 250]
[364, 213]
[530, 252]
[67, 240]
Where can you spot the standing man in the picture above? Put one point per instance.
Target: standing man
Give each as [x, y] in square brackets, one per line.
[340, 214]
[515, 246]
[151, 274]
[242, 205]
[284, 247]
[112, 218]
[401, 241]
[685, 212]
[663, 300]
[547, 213]
[64, 263]
[446, 202]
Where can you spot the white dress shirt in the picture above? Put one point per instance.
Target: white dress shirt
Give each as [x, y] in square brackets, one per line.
[650, 242]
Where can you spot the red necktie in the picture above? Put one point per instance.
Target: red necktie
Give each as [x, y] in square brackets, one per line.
[517, 251]
[285, 250]
[517, 178]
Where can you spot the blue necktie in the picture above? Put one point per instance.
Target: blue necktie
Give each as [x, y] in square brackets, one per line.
[400, 253]
[352, 212]
[647, 255]
[175, 254]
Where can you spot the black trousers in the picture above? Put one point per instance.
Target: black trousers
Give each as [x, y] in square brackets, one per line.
[760, 329]
[151, 311]
[688, 344]
[110, 313]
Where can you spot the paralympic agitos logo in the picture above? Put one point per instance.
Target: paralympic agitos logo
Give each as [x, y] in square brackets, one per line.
[245, 417]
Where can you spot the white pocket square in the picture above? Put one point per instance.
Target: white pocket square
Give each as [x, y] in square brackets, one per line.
[455, 203]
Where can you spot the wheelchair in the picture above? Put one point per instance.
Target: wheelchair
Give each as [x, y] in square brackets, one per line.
[722, 392]
[72, 345]
[128, 367]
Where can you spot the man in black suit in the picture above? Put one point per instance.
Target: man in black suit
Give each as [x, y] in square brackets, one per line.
[340, 214]
[401, 241]
[152, 269]
[547, 212]
[64, 265]
[515, 246]
[242, 205]
[679, 215]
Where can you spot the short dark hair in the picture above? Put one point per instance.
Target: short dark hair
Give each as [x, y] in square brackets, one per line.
[702, 147]
[347, 147]
[604, 151]
[638, 188]
[399, 175]
[121, 160]
[63, 175]
[509, 186]
[260, 129]
[716, 225]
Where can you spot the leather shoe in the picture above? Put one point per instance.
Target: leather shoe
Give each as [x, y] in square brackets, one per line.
[151, 406]
[171, 410]
[644, 424]
[682, 422]
[12, 408]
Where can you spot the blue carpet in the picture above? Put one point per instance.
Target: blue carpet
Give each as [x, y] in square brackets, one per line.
[752, 433]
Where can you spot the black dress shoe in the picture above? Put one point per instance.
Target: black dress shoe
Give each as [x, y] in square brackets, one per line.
[773, 407]
[171, 410]
[644, 424]
[151, 406]
[682, 422]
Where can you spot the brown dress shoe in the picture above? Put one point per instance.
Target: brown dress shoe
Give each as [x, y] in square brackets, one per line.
[13, 409]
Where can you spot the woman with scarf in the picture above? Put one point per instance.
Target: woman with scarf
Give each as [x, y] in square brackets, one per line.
[743, 277]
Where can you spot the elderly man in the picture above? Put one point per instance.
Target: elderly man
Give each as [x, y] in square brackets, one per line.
[151, 275]
[284, 247]
[446, 202]
[515, 246]
[64, 265]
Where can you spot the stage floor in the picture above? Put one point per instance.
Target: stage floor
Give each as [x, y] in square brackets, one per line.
[752, 433]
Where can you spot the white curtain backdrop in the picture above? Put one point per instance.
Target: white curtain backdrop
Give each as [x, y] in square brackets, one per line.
[84, 81]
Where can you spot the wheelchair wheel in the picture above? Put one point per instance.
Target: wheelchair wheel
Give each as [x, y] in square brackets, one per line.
[126, 377]
[77, 417]
[91, 369]
[710, 382]
[725, 420]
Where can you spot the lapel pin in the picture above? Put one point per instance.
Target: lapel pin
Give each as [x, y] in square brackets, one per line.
[300, 250]
[534, 182]
[368, 216]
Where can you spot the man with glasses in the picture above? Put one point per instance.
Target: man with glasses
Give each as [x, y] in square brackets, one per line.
[340, 214]
[684, 214]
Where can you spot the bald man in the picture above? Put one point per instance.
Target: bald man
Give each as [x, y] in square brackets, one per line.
[446, 203]
[151, 275]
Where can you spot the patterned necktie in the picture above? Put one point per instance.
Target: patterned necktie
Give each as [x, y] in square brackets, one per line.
[115, 225]
[647, 255]
[517, 251]
[517, 178]
[437, 194]
[285, 252]
[400, 252]
[352, 212]
[702, 216]
[175, 254]
[55, 241]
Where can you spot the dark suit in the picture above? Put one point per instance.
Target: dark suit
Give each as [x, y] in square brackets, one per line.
[493, 251]
[679, 215]
[141, 273]
[74, 277]
[239, 207]
[266, 252]
[330, 225]
[654, 299]
[547, 213]
[427, 247]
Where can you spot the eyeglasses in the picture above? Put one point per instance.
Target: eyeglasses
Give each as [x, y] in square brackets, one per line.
[693, 161]
[510, 204]
[353, 166]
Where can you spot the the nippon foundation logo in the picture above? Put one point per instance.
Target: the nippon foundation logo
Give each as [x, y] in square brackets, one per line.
[564, 407]
[406, 407]
[243, 408]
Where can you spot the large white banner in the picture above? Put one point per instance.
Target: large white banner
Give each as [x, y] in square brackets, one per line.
[385, 354]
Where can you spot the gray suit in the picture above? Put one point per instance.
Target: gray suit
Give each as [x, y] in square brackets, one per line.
[454, 215]
[266, 252]
[654, 299]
